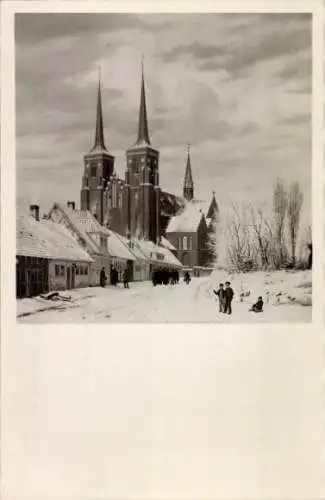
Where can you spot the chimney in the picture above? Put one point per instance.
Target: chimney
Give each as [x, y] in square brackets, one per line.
[34, 211]
[71, 204]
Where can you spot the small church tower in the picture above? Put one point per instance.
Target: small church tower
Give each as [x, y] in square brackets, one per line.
[188, 188]
[98, 168]
[142, 180]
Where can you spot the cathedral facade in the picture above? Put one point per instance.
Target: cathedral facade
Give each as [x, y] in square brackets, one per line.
[129, 206]
[135, 206]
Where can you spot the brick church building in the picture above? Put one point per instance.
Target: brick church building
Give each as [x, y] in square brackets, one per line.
[136, 206]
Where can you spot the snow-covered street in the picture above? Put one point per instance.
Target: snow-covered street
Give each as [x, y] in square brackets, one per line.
[289, 300]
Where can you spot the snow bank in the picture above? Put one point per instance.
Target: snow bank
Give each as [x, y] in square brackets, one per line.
[276, 288]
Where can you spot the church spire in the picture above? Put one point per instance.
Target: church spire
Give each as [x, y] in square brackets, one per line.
[188, 189]
[143, 132]
[99, 133]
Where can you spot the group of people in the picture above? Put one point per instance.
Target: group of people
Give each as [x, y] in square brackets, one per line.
[114, 277]
[226, 295]
[165, 276]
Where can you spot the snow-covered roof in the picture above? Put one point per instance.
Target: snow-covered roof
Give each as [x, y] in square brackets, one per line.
[47, 239]
[116, 247]
[158, 254]
[79, 226]
[90, 223]
[134, 249]
[166, 244]
[187, 221]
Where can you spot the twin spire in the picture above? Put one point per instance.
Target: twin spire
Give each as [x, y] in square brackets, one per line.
[99, 144]
[143, 130]
[143, 134]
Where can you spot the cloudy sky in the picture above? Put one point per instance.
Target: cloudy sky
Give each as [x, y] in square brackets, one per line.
[236, 86]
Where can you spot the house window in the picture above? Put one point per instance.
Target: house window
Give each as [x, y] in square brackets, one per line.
[62, 270]
[57, 270]
[185, 243]
[190, 243]
[93, 171]
[77, 270]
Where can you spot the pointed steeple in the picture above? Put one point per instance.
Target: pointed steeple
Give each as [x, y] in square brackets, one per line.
[213, 208]
[143, 132]
[99, 144]
[188, 189]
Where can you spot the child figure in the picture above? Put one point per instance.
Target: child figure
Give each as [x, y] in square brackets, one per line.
[229, 294]
[258, 306]
[221, 294]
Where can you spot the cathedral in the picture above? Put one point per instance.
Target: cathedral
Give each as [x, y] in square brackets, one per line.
[136, 206]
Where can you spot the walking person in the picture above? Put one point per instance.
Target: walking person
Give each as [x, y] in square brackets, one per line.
[229, 295]
[102, 278]
[187, 277]
[126, 278]
[220, 293]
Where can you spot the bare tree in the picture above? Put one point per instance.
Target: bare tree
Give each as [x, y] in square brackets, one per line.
[294, 212]
[239, 241]
[262, 233]
[280, 206]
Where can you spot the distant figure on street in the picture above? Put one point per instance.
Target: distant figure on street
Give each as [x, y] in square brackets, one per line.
[187, 277]
[229, 295]
[102, 278]
[114, 276]
[126, 278]
[221, 295]
[310, 257]
[258, 306]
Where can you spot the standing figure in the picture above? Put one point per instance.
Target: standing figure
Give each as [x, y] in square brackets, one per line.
[102, 278]
[187, 277]
[221, 295]
[126, 278]
[229, 295]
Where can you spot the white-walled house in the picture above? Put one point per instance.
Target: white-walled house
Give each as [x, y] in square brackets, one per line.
[48, 257]
[90, 235]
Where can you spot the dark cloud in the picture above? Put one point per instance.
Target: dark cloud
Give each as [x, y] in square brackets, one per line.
[34, 28]
[262, 38]
[296, 68]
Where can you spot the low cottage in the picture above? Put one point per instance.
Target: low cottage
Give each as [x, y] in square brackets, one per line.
[48, 257]
[90, 235]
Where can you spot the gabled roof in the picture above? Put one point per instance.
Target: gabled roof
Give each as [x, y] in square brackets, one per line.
[117, 247]
[166, 244]
[213, 207]
[153, 253]
[80, 224]
[47, 239]
[89, 222]
[187, 221]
